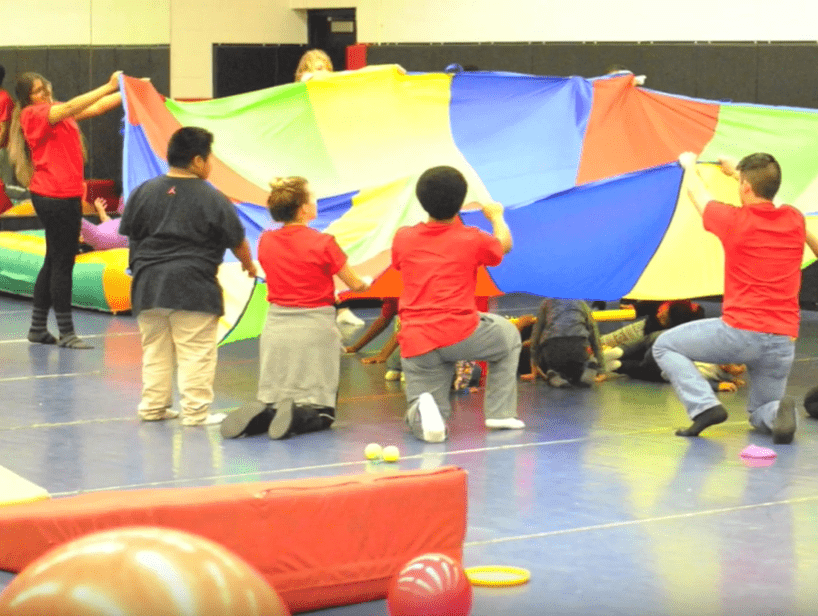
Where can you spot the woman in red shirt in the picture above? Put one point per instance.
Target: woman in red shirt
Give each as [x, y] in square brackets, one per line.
[300, 345]
[54, 152]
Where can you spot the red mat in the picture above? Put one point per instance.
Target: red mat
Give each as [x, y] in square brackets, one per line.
[319, 542]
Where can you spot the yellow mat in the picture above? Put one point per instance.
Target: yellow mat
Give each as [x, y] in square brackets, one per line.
[15, 490]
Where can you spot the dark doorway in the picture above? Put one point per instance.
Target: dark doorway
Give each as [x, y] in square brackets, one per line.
[332, 30]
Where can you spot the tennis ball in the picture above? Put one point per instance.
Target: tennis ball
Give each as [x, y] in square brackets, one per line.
[391, 454]
[373, 451]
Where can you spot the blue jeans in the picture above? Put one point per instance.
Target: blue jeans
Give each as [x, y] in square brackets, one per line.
[768, 358]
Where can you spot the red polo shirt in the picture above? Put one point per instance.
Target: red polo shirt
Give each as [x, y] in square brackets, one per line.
[439, 265]
[763, 250]
[299, 263]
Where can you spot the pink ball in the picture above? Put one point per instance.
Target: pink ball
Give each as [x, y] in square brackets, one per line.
[140, 570]
[430, 585]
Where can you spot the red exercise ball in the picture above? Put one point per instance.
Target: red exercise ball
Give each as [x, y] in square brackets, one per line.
[430, 585]
[136, 571]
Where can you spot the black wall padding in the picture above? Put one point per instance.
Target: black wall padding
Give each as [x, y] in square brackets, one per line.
[74, 70]
[775, 73]
[244, 68]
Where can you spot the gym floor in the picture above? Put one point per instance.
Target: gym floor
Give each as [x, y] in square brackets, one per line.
[610, 512]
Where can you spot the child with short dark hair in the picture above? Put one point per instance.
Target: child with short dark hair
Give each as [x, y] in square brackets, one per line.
[179, 227]
[440, 323]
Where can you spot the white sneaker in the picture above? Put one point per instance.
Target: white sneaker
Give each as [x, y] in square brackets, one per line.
[167, 414]
[613, 365]
[507, 423]
[392, 375]
[612, 353]
[425, 420]
[347, 317]
[213, 419]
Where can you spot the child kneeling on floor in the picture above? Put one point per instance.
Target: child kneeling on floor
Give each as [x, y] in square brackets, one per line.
[300, 345]
[565, 348]
[440, 323]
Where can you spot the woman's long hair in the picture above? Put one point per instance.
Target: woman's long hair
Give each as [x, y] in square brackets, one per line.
[19, 154]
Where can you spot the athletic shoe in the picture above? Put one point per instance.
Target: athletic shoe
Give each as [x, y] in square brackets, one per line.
[392, 375]
[213, 419]
[282, 423]
[167, 414]
[249, 420]
[425, 420]
[347, 317]
[507, 423]
[811, 402]
[556, 380]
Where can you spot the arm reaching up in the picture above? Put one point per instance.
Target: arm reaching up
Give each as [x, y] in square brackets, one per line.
[494, 213]
[696, 190]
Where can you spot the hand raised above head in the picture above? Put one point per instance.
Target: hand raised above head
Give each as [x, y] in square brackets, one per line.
[687, 160]
[492, 210]
[113, 81]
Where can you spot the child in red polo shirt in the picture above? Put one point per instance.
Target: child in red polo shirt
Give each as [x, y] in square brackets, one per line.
[440, 323]
[300, 346]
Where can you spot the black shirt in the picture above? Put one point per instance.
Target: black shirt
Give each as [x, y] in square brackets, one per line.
[178, 231]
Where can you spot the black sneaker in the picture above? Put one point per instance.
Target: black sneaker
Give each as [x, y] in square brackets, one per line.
[811, 402]
[784, 422]
[249, 420]
[308, 417]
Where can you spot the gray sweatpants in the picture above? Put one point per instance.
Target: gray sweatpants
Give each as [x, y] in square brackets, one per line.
[495, 341]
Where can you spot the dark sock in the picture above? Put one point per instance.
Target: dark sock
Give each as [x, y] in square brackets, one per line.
[72, 341]
[65, 323]
[712, 416]
[39, 327]
[41, 337]
[39, 319]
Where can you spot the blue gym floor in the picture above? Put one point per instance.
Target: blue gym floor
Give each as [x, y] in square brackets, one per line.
[610, 511]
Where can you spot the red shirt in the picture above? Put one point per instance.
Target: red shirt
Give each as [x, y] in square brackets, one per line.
[763, 250]
[6, 110]
[55, 151]
[299, 263]
[439, 265]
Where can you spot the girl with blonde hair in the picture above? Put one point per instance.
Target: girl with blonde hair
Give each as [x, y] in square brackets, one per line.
[313, 61]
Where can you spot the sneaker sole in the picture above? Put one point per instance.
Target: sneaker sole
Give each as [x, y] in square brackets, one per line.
[246, 420]
[282, 423]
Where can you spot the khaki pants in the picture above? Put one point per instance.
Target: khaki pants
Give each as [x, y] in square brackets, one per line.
[189, 338]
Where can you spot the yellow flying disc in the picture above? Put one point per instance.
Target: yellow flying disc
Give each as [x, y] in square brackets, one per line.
[497, 575]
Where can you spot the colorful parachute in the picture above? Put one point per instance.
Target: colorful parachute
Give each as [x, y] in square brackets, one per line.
[586, 169]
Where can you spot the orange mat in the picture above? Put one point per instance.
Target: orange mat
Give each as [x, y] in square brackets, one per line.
[319, 542]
